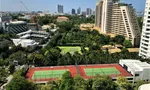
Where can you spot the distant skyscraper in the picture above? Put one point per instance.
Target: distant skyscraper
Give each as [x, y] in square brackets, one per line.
[118, 18]
[73, 11]
[88, 11]
[98, 14]
[84, 13]
[79, 10]
[60, 9]
[145, 38]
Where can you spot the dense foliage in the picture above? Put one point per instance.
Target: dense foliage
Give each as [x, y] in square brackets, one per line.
[68, 34]
[20, 83]
[76, 20]
[3, 76]
[78, 83]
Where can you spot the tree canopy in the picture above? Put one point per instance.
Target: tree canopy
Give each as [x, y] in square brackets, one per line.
[20, 83]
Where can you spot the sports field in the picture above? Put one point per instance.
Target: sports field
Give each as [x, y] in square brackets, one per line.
[101, 71]
[42, 74]
[39, 74]
[48, 74]
[70, 49]
[113, 70]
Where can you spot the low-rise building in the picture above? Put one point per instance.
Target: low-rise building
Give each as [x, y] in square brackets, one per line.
[139, 70]
[15, 27]
[33, 34]
[24, 42]
[62, 19]
[88, 25]
[44, 27]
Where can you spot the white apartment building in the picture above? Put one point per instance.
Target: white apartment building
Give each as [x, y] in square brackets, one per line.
[119, 19]
[145, 38]
[139, 70]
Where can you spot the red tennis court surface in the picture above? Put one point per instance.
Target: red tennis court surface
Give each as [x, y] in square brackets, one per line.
[74, 70]
[122, 71]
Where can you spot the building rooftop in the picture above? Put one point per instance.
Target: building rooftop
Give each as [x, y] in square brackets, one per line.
[30, 31]
[133, 49]
[135, 65]
[17, 22]
[62, 17]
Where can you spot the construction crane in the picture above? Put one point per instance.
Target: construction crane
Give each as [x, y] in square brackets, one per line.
[24, 6]
[34, 19]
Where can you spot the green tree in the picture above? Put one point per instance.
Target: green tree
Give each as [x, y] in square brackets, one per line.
[45, 87]
[94, 47]
[119, 39]
[79, 83]
[124, 84]
[67, 26]
[124, 50]
[19, 56]
[36, 59]
[67, 82]
[52, 56]
[139, 83]
[53, 85]
[20, 83]
[3, 75]
[127, 44]
[11, 68]
[103, 83]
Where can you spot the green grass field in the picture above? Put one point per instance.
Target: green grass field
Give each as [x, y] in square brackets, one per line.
[70, 49]
[101, 71]
[48, 74]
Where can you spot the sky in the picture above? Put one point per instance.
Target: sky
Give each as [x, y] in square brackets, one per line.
[51, 5]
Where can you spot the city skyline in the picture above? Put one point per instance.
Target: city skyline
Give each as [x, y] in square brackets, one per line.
[51, 5]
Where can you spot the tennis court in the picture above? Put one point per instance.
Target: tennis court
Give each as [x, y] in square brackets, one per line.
[112, 70]
[48, 74]
[41, 74]
[44, 74]
[101, 71]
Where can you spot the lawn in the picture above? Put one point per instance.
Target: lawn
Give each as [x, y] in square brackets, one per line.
[70, 49]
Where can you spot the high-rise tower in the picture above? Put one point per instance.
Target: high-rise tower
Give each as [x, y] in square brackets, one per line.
[60, 9]
[119, 19]
[145, 37]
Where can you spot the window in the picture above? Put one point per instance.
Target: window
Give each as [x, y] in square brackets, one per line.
[148, 25]
[147, 29]
[130, 78]
[148, 21]
[137, 75]
[114, 79]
